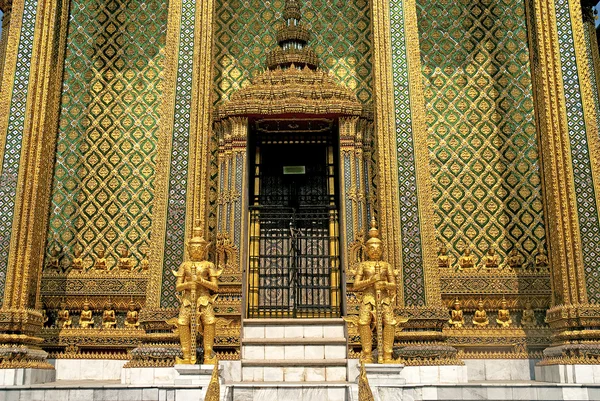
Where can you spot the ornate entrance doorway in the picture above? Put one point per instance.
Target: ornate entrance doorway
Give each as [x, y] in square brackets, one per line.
[294, 257]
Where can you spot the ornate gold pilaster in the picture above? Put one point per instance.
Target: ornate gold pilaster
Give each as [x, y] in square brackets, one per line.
[20, 317]
[429, 317]
[231, 201]
[571, 315]
[201, 120]
[163, 160]
[159, 348]
[356, 203]
[385, 134]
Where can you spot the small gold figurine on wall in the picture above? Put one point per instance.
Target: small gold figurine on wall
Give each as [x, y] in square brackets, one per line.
[63, 320]
[132, 318]
[541, 260]
[491, 260]
[504, 319]
[443, 260]
[197, 280]
[145, 263]
[125, 262]
[515, 260]
[456, 315]
[86, 319]
[54, 257]
[528, 319]
[101, 264]
[375, 279]
[77, 262]
[466, 260]
[44, 316]
[480, 318]
[109, 319]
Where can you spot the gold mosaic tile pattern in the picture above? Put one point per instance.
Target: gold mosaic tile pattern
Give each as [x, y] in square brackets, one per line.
[480, 113]
[104, 171]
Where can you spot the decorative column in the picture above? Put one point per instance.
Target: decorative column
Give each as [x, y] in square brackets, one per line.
[182, 169]
[405, 204]
[232, 136]
[569, 147]
[357, 200]
[30, 92]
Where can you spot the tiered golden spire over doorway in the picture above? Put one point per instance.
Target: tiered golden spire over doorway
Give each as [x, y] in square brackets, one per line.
[293, 40]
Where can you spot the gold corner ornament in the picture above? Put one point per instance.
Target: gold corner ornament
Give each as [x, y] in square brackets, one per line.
[213, 393]
[364, 389]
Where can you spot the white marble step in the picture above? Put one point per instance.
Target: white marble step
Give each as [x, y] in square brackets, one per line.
[293, 328]
[294, 373]
[290, 391]
[297, 351]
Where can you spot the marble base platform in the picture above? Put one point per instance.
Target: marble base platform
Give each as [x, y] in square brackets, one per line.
[384, 374]
[88, 369]
[148, 376]
[97, 391]
[198, 375]
[501, 369]
[579, 374]
[19, 377]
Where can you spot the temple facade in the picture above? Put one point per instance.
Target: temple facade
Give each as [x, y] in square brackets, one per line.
[464, 134]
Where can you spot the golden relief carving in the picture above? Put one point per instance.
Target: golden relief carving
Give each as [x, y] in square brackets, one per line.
[528, 319]
[63, 321]
[480, 318]
[86, 319]
[109, 319]
[466, 260]
[132, 318]
[456, 315]
[503, 319]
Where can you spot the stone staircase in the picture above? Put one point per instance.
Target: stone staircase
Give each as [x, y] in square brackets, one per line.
[294, 350]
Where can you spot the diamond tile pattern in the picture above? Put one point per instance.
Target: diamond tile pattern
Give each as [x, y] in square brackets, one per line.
[246, 29]
[584, 190]
[14, 137]
[481, 122]
[412, 256]
[105, 163]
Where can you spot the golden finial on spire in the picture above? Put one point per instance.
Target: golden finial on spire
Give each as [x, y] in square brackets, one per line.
[373, 233]
[197, 234]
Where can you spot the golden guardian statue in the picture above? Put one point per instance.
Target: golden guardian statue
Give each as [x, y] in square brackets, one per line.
[375, 279]
[197, 281]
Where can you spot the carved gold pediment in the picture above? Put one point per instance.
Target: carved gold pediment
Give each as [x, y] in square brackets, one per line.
[292, 91]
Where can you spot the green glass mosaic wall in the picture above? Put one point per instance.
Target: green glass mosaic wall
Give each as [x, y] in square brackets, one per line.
[246, 30]
[104, 172]
[481, 122]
